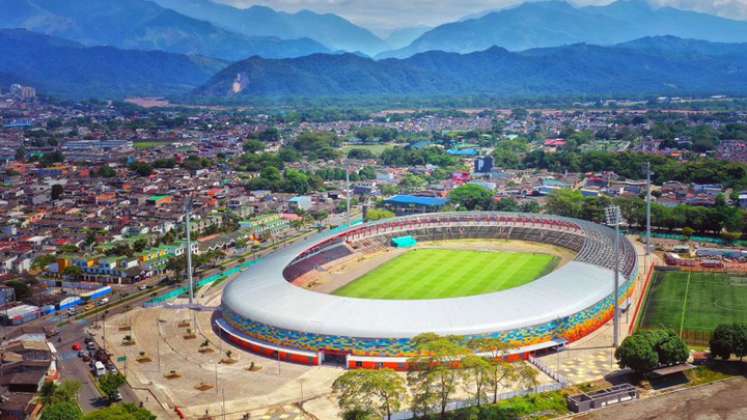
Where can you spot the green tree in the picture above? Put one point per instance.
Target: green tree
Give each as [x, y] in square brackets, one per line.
[139, 245]
[412, 183]
[477, 372]
[379, 391]
[672, 350]
[41, 262]
[379, 214]
[637, 353]
[565, 202]
[472, 197]
[501, 370]
[20, 289]
[106, 171]
[110, 384]
[141, 168]
[253, 146]
[433, 378]
[728, 339]
[360, 154]
[63, 410]
[120, 412]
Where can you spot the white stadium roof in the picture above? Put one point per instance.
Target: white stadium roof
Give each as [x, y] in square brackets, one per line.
[263, 295]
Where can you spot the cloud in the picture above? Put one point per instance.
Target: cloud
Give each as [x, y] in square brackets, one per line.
[733, 9]
[385, 15]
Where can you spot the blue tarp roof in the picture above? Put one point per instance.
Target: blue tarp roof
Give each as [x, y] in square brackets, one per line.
[462, 152]
[417, 200]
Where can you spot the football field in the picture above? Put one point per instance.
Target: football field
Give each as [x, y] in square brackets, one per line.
[694, 302]
[444, 273]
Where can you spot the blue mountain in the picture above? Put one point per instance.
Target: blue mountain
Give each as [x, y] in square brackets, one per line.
[144, 25]
[650, 66]
[329, 29]
[555, 23]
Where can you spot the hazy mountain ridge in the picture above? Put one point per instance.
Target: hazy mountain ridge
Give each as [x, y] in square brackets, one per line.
[141, 24]
[639, 68]
[555, 23]
[329, 29]
[67, 69]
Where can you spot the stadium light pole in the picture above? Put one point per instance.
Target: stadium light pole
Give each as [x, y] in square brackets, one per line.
[347, 193]
[614, 218]
[648, 210]
[188, 210]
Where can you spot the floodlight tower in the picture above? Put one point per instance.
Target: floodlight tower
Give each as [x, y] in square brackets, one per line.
[615, 218]
[347, 193]
[188, 211]
[648, 209]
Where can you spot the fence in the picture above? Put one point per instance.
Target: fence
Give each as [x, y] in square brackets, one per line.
[560, 383]
[220, 276]
[696, 337]
[459, 404]
[555, 375]
[202, 283]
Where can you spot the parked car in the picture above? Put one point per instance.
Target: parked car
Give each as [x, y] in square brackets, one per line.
[76, 346]
[99, 369]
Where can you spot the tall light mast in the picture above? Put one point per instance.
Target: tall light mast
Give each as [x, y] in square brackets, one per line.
[188, 210]
[347, 193]
[648, 210]
[614, 218]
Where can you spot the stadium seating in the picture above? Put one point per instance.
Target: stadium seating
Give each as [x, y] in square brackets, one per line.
[593, 243]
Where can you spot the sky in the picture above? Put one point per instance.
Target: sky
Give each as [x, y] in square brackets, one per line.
[382, 16]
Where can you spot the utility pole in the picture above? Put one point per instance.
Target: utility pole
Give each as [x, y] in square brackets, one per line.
[188, 210]
[614, 218]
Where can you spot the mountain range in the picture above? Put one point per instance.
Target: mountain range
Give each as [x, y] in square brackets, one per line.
[68, 69]
[144, 25]
[555, 23]
[328, 29]
[649, 66]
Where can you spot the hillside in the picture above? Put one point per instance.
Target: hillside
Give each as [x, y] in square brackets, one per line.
[555, 23]
[67, 69]
[639, 68]
[143, 25]
[329, 29]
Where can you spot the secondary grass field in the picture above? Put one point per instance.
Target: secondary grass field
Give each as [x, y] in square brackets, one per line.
[694, 303]
[444, 273]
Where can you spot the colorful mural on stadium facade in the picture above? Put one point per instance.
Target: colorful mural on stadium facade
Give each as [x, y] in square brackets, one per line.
[570, 328]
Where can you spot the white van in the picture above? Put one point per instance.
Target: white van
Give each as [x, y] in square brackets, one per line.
[99, 369]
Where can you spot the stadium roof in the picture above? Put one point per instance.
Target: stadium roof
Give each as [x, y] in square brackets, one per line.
[406, 200]
[263, 295]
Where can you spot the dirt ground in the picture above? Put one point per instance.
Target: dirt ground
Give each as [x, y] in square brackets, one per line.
[723, 400]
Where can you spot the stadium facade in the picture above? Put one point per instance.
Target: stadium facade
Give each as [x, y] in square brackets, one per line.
[266, 312]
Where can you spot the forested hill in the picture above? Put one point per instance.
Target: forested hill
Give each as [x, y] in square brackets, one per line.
[649, 66]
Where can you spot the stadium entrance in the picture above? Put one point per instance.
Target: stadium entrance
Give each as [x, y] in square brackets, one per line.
[335, 358]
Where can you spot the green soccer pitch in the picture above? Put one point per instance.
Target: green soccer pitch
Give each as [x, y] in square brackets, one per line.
[444, 273]
[694, 302]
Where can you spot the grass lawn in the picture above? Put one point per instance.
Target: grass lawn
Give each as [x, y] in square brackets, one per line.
[142, 145]
[443, 273]
[376, 149]
[694, 302]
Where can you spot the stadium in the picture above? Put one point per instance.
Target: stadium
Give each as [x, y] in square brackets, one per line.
[554, 286]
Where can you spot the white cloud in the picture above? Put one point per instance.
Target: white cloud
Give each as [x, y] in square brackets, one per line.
[385, 15]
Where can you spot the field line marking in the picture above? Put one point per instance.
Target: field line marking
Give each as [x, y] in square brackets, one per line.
[684, 303]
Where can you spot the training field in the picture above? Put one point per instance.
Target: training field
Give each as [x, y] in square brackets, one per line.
[444, 273]
[692, 303]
